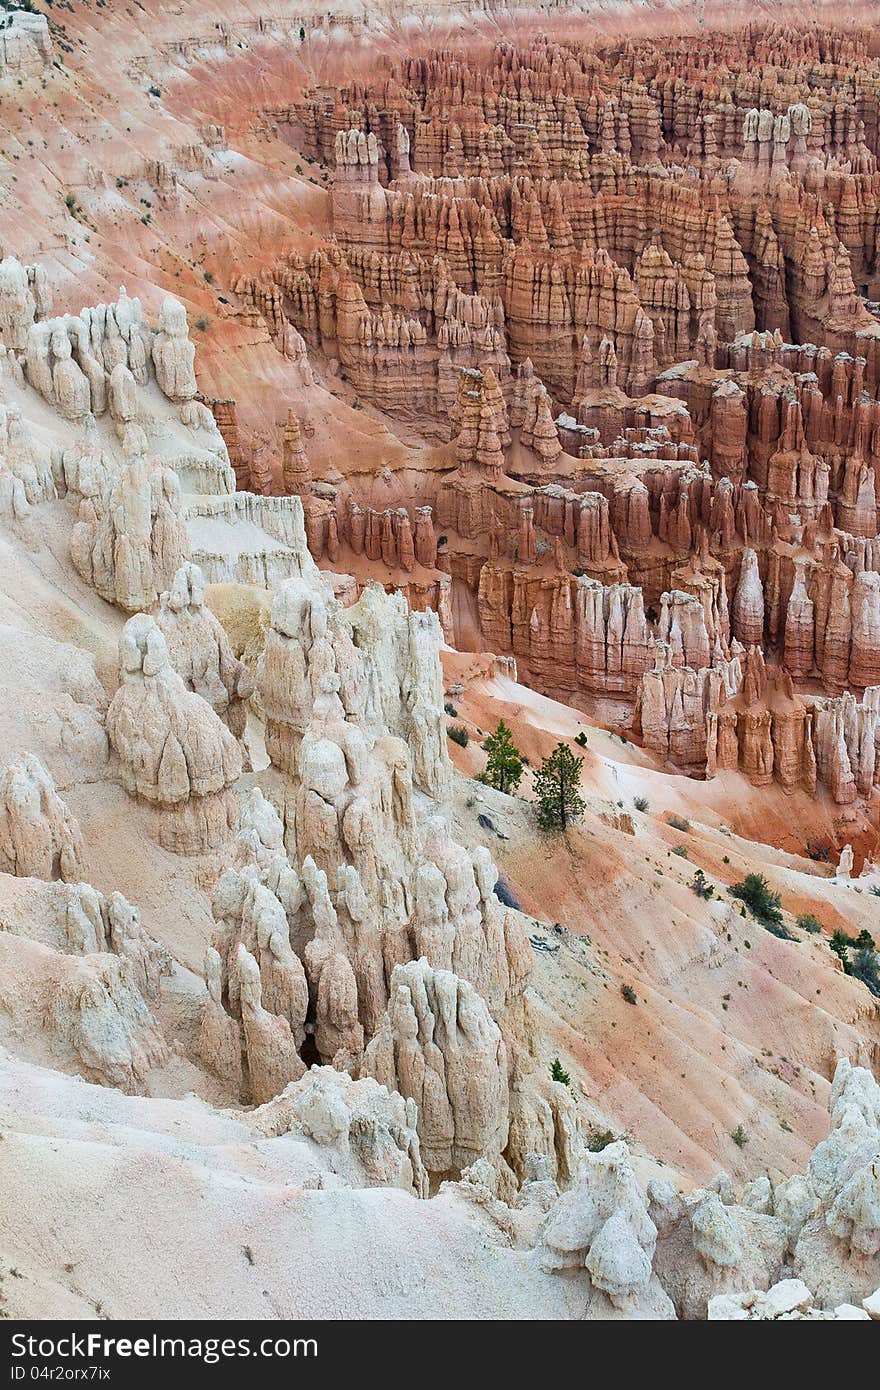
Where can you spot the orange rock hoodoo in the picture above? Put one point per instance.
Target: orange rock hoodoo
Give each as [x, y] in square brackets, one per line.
[632, 284]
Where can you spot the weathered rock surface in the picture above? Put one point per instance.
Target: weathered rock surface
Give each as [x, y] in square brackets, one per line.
[38, 836]
[174, 752]
[569, 368]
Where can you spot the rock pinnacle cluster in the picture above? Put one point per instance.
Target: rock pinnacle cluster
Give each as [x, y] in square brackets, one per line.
[366, 380]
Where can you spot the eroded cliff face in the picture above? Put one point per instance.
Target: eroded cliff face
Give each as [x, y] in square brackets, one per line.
[634, 292]
[752, 500]
[496, 404]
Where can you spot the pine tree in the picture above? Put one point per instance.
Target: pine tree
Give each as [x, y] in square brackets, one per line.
[504, 767]
[840, 944]
[556, 789]
[558, 1072]
[759, 898]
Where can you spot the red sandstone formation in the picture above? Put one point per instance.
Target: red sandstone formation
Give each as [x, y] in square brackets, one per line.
[572, 337]
[648, 380]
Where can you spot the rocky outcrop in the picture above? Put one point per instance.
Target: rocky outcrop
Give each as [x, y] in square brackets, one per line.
[676, 705]
[803, 1247]
[557, 287]
[199, 649]
[348, 914]
[788, 1300]
[620, 293]
[739, 714]
[39, 837]
[821, 1227]
[272, 1058]
[26, 477]
[440, 1048]
[174, 752]
[96, 922]
[569, 633]
[333, 913]
[354, 1120]
[99, 1015]
[602, 1225]
[81, 977]
[130, 540]
[174, 354]
[345, 904]
[385, 660]
[836, 1248]
[24, 293]
[26, 48]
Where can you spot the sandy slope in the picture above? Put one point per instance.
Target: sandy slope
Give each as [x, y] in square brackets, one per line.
[214, 1213]
[733, 1026]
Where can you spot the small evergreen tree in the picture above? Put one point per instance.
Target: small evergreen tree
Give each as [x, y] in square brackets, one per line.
[504, 767]
[858, 957]
[556, 788]
[759, 898]
[701, 885]
[866, 967]
[840, 944]
[558, 1072]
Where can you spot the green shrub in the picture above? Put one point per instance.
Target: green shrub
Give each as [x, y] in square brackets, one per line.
[840, 944]
[598, 1139]
[558, 1072]
[680, 850]
[641, 803]
[739, 1137]
[459, 735]
[581, 739]
[858, 958]
[807, 922]
[866, 967]
[629, 994]
[759, 898]
[450, 709]
[775, 930]
[701, 885]
[679, 823]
